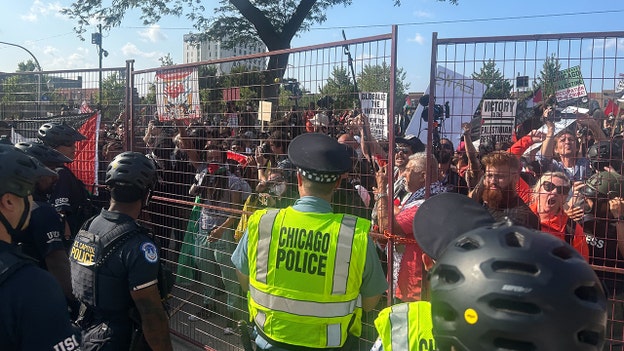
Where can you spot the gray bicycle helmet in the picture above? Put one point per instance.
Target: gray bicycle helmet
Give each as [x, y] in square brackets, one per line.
[604, 185]
[47, 155]
[507, 287]
[19, 172]
[131, 168]
[55, 134]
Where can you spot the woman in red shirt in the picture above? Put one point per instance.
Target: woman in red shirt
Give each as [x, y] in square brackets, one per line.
[549, 196]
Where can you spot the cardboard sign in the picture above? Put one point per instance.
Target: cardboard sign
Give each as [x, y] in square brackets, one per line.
[375, 107]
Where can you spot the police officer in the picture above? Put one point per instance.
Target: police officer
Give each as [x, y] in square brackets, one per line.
[309, 272]
[70, 197]
[115, 265]
[42, 240]
[33, 312]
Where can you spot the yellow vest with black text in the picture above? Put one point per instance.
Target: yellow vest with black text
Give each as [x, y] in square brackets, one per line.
[406, 326]
[305, 274]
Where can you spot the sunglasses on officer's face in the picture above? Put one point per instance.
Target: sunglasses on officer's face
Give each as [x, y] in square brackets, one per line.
[404, 150]
[561, 189]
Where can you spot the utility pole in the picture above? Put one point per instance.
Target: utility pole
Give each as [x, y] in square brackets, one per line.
[96, 38]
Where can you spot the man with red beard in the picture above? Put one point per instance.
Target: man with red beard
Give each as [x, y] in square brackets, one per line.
[498, 193]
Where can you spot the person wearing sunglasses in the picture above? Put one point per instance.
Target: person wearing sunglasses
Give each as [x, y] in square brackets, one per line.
[549, 196]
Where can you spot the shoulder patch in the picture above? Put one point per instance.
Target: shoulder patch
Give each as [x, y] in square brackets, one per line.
[150, 252]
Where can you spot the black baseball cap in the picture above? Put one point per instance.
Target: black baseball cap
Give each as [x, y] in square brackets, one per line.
[414, 143]
[319, 157]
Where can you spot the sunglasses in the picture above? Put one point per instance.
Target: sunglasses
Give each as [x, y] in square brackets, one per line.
[561, 189]
[404, 150]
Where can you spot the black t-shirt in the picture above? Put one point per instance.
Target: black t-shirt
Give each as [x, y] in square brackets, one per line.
[33, 312]
[44, 233]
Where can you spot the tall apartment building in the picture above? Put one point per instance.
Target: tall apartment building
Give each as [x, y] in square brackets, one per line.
[213, 50]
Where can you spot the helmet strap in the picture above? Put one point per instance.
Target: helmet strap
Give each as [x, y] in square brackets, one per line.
[13, 232]
[147, 198]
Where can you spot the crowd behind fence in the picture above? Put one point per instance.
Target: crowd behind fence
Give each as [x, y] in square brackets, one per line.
[230, 158]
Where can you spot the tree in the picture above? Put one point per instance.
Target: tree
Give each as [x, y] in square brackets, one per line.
[497, 87]
[548, 76]
[166, 60]
[376, 78]
[340, 88]
[274, 23]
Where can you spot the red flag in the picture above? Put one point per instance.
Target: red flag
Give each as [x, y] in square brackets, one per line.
[240, 158]
[535, 99]
[611, 109]
[86, 162]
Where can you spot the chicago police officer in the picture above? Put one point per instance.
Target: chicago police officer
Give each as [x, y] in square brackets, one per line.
[309, 272]
[115, 265]
[33, 312]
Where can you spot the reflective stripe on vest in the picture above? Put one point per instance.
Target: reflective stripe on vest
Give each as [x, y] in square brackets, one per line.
[265, 227]
[406, 326]
[304, 308]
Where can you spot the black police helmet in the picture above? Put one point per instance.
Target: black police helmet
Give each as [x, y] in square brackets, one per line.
[55, 134]
[45, 154]
[512, 288]
[131, 168]
[19, 172]
[605, 153]
[604, 185]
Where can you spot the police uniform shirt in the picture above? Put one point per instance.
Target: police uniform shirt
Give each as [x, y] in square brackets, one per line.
[33, 312]
[69, 191]
[137, 258]
[373, 279]
[43, 235]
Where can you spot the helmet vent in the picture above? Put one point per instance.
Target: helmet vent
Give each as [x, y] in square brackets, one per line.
[514, 267]
[515, 345]
[449, 275]
[587, 293]
[514, 239]
[516, 307]
[468, 244]
[563, 252]
[589, 337]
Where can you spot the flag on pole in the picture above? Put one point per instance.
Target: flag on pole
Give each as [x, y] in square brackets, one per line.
[534, 99]
[611, 109]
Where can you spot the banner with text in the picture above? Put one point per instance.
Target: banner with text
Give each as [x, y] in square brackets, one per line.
[177, 94]
[463, 95]
[375, 107]
[570, 84]
[497, 120]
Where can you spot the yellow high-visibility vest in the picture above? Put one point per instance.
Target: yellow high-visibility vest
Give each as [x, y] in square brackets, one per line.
[406, 326]
[305, 274]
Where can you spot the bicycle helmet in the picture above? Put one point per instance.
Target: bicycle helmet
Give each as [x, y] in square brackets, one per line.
[604, 185]
[605, 153]
[47, 155]
[19, 172]
[131, 168]
[55, 134]
[506, 287]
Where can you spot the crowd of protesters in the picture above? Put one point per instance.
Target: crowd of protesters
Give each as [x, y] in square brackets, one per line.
[564, 182]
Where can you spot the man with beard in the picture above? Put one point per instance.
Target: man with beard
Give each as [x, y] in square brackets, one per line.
[447, 175]
[603, 224]
[497, 190]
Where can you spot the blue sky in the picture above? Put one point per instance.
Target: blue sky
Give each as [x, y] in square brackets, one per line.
[38, 26]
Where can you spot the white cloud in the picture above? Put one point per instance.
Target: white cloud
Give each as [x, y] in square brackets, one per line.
[422, 14]
[417, 39]
[39, 8]
[153, 34]
[131, 51]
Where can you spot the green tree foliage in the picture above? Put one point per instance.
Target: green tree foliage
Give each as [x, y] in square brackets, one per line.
[376, 78]
[340, 88]
[113, 89]
[166, 60]
[497, 87]
[547, 79]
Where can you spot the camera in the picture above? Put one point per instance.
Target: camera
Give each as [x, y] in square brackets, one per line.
[439, 111]
[265, 149]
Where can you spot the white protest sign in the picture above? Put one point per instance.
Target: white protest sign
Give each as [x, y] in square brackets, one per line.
[375, 107]
[498, 117]
[463, 95]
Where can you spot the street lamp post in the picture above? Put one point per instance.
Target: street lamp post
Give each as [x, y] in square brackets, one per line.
[38, 69]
